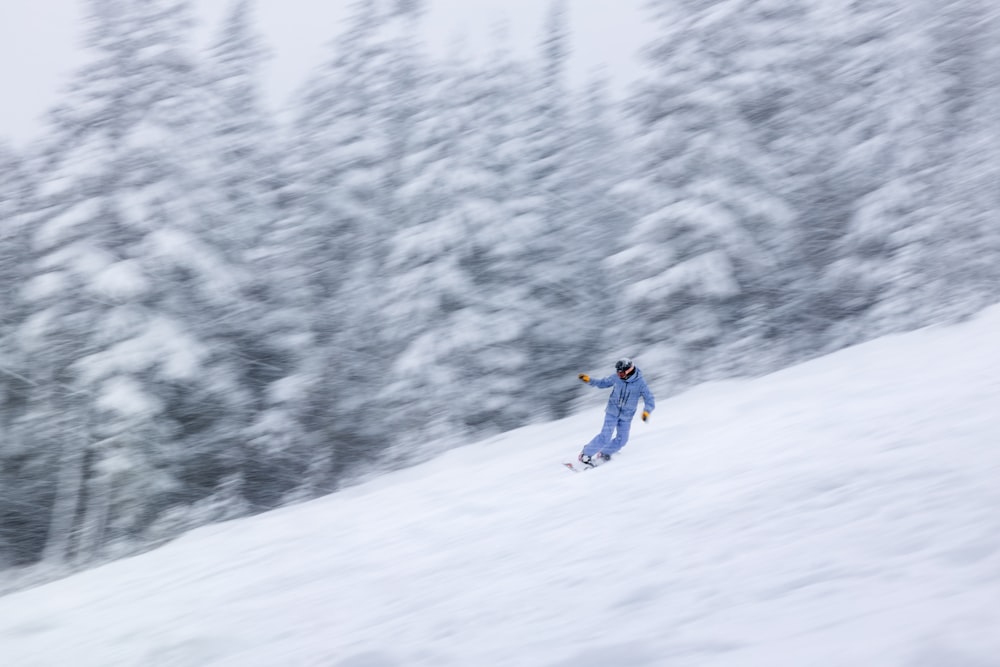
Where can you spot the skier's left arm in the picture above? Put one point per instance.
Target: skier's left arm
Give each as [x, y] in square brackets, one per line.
[648, 401]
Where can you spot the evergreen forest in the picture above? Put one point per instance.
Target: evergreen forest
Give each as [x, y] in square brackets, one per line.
[209, 311]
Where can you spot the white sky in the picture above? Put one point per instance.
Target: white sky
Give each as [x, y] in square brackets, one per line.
[841, 512]
[39, 42]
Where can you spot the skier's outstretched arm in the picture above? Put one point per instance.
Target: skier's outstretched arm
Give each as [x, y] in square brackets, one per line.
[601, 383]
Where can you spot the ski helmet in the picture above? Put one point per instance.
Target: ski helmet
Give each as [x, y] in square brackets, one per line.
[623, 364]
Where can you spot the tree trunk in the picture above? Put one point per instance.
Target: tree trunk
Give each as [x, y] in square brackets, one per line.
[69, 487]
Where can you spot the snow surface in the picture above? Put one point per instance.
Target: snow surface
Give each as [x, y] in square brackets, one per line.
[842, 512]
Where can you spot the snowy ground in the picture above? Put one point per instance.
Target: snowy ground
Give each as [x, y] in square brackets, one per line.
[843, 512]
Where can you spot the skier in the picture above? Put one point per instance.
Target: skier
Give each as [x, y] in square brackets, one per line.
[627, 387]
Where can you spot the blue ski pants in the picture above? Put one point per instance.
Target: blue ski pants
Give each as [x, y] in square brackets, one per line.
[603, 442]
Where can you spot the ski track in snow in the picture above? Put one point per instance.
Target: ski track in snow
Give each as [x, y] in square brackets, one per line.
[845, 511]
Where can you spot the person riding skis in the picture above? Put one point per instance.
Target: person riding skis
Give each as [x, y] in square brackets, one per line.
[627, 386]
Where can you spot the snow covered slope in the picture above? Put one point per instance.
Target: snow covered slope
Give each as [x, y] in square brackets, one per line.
[843, 512]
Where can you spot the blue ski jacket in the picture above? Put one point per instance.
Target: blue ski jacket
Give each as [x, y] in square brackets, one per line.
[625, 394]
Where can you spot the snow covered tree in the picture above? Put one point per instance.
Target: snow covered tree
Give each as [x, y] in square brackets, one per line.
[497, 270]
[13, 185]
[963, 44]
[905, 258]
[701, 267]
[15, 197]
[426, 280]
[560, 238]
[354, 149]
[778, 63]
[240, 143]
[24, 478]
[487, 276]
[207, 317]
[240, 212]
[125, 285]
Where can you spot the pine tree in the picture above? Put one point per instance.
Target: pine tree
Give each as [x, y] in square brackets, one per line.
[133, 392]
[240, 142]
[963, 46]
[268, 453]
[356, 147]
[465, 274]
[559, 237]
[699, 266]
[897, 261]
[502, 273]
[24, 479]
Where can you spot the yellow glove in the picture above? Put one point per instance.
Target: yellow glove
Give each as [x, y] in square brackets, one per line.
[584, 377]
[645, 415]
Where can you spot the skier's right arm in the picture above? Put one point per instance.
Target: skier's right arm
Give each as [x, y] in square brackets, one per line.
[603, 383]
[600, 382]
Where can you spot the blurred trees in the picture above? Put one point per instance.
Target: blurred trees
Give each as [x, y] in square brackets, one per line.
[707, 261]
[211, 313]
[130, 297]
